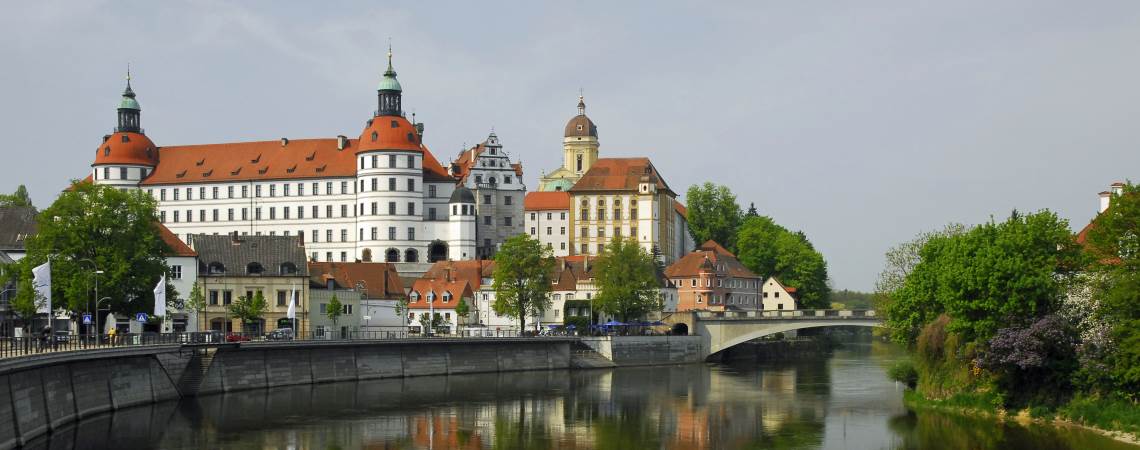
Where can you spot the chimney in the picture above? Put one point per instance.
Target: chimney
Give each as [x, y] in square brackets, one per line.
[341, 142]
[1105, 199]
[420, 129]
[284, 141]
[1117, 188]
[447, 274]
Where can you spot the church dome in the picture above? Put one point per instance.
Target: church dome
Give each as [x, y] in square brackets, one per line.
[462, 195]
[127, 148]
[389, 133]
[580, 125]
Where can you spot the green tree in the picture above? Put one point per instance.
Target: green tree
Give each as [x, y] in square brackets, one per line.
[333, 309]
[401, 309]
[1113, 247]
[769, 249]
[196, 302]
[249, 310]
[462, 310]
[522, 278]
[18, 198]
[430, 322]
[113, 229]
[626, 278]
[914, 311]
[713, 214]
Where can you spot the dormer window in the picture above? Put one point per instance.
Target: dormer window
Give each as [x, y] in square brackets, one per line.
[287, 268]
[395, 124]
[415, 297]
[216, 268]
[106, 151]
[374, 136]
[126, 138]
[254, 268]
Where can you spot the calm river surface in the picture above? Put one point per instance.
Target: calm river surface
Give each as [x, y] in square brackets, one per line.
[843, 401]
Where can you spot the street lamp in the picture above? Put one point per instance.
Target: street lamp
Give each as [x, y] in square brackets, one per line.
[96, 312]
[98, 331]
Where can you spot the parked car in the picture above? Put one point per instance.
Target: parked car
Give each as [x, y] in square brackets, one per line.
[280, 334]
[235, 337]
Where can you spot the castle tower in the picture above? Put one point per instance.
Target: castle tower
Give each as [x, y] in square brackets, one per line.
[126, 156]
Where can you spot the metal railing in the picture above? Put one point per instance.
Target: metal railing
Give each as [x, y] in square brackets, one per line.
[789, 314]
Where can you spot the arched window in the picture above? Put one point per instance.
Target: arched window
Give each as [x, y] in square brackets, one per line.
[366, 255]
[411, 255]
[216, 268]
[254, 268]
[288, 268]
[437, 251]
[392, 255]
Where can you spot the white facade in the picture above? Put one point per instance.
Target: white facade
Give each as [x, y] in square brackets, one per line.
[183, 276]
[775, 296]
[551, 228]
[499, 191]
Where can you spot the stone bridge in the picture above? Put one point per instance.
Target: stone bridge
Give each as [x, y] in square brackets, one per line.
[721, 330]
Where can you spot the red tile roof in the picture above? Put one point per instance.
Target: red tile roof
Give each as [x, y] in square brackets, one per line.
[465, 161]
[539, 201]
[136, 150]
[177, 247]
[389, 133]
[690, 264]
[424, 286]
[378, 280]
[619, 174]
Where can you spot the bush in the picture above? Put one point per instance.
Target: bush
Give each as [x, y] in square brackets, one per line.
[904, 372]
[1101, 412]
[932, 339]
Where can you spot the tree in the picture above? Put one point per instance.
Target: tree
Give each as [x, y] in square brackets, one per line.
[112, 229]
[401, 309]
[18, 198]
[430, 322]
[713, 214]
[333, 309]
[462, 310]
[626, 278]
[522, 278]
[770, 250]
[914, 311]
[248, 310]
[196, 302]
[901, 259]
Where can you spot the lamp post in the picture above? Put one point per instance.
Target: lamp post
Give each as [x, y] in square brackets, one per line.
[96, 273]
[99, 332]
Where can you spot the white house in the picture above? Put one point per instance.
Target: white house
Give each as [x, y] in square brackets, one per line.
[776, 296]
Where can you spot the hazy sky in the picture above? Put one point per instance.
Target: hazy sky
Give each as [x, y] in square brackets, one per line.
[860, 123]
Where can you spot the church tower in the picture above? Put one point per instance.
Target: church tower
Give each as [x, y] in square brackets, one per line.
[579, 152]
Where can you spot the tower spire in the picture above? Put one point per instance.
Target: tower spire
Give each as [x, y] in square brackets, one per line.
[389, 95]
[129, 109]
[581, 103]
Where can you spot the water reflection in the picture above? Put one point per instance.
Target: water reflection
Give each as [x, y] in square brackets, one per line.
[840, 401]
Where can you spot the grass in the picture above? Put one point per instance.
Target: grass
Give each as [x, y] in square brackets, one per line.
[1107, 414]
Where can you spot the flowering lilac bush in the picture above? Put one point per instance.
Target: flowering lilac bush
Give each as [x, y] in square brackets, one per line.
[1036, 360]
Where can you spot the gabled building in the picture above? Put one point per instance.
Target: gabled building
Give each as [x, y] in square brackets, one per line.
[17, 224]
[183, 263]
[547, 218]
[369, 292]
[439, 297]
[777, 296]
[712, 278]
[233, 266]
[498, 188]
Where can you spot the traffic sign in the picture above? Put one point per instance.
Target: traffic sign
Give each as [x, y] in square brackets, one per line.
[87, 318]
[141, 317]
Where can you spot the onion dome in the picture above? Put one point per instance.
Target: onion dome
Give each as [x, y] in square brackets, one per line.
[128, 101]
[389, 133]
[462, 195]
[580, 125]
[126, 147]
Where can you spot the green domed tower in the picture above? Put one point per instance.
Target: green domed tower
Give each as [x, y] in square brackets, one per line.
[389, 92]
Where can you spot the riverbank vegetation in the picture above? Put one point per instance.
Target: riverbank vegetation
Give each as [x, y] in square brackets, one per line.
[1022, 315]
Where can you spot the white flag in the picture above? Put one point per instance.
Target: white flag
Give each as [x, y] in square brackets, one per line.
[160, 297]
[292, 313]
[42, 283]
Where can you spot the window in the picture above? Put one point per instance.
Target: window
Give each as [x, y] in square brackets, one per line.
[201, 215]
[343, 256]
[507, 221]
[343, 187]
[257, 213]
[633, 211]
[328, 256]
[229, 192]
[162, 195]
[162, 216]
[507, 200]
[328, 211]
[316, 188]
[633, 232]
[392, 208]
[507, 180]
[486, 199]
[374, 233]
[213, 297]
[532, 231]
[316, 212]
[391, 233]
[189, 215]
[392, 161]
[215, 215]
[328, 236]
[431, 190]
[562, 246]
[585, 232]
[256, 191]
[562, 231]
[431, 213]
[227, 297]
[281, 298]
[601, 232]
[344, 235]
[486, 220]
[315, 236]
[585, 249]
[300, 189]
[374, 181]
[285, 212]
[300, 212]
[411, 161]
[285, 189]
[411, 233]
[617, 213]
[532, 216]
[548, 216]
[314, 256]
[244, 191]
[391, 184]
[601, 214]
[328, 188]
[478, 179]
[563, 216]
[374, 208]
[273, 190]
[272, 213]
[411, 184]
[176, 191]
[373, 161]
[214, 192]
[244, 214]
[107, 175]
[344, 210]
[176, 272]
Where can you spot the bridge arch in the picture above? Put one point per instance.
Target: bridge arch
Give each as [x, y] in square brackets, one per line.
[725, 330]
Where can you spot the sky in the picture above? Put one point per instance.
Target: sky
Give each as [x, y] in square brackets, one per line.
[859, 123]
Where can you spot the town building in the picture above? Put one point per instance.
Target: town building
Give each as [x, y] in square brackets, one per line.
[498, 187]
[375, 287]
[382, 196]
[547, 218]
[712, 278]
[1105, 201]
[17, 223]
[439, 292]
[610, 197]
[778, 297]
[234, 266]
[183, 263]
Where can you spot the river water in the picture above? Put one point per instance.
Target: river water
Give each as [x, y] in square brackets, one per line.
[840, 401]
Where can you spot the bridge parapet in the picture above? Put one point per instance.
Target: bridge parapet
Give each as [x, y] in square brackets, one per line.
[809, 314]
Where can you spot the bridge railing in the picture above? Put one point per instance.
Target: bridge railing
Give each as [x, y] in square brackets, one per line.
[809, 314]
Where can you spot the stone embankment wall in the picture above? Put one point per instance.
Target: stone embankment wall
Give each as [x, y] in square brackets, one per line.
[781, 350]
[647, 350]
[45, 392]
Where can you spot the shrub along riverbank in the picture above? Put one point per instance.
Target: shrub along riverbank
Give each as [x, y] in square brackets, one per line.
[1022, 318]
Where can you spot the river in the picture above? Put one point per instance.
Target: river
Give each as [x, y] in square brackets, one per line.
[840, 401]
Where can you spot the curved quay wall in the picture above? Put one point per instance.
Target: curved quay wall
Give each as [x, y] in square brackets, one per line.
[47, 391]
